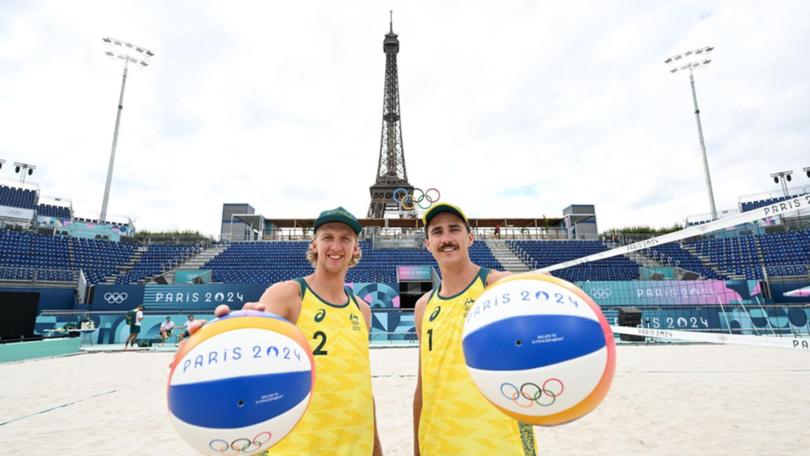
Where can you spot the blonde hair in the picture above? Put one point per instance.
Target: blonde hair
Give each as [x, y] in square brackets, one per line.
[312, 257]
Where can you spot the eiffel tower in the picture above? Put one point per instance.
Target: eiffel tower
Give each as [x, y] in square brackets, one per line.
[391, 172]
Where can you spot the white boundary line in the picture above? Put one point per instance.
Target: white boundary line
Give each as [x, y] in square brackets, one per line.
[782, 208]
[791, 342]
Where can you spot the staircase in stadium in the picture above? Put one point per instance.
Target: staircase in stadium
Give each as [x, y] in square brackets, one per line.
[505, 256]
[197, 261]
[126, 267]
[711, 264]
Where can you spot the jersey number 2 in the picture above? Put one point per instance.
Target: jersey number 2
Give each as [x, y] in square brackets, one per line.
[319, 349]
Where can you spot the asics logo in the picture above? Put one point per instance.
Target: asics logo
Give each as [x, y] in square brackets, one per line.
[320, 315]
[114, 297]
[435, 313]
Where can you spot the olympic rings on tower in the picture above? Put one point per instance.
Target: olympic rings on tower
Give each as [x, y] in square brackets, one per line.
[409, 201]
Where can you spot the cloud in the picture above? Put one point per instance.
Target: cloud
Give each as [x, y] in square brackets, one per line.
[514, 111]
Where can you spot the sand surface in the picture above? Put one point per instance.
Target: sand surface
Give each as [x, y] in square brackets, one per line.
[678, 399]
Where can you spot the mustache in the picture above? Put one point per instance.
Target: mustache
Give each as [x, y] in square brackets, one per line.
[448, 244]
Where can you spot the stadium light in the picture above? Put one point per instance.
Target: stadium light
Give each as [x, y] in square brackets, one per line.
[692, 60]
[23, 169]
[784, 178]
[127, 52]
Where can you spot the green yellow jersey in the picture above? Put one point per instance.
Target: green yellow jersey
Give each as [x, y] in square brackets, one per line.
[340, 417]
[456, 418]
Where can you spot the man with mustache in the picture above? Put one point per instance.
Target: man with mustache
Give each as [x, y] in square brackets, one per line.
[450, 415]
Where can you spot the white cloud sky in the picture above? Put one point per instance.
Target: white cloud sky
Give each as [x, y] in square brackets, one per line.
[511, 109]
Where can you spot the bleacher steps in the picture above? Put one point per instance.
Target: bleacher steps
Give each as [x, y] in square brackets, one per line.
[504, 254]
[711, 264]
[71, 254]
[644, 260]
[123, 269]
[198, 260]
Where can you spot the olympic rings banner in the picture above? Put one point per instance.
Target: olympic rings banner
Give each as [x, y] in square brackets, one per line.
[641, 293]
[409, 201]
[116, 297]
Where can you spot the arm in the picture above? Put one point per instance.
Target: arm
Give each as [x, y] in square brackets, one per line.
[495, 276]
[419, 311]
[366, 311]
[281, 298]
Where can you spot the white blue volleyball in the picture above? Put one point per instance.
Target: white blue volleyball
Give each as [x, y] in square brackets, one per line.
[539, 349]
[240, 383]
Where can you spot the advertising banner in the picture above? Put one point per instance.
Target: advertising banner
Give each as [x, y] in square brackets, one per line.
[116, 297]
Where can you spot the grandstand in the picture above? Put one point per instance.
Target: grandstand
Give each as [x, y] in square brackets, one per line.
[540, 253]
[49, 247]
[26, 256]
[267, 262]
[754, 256]
[23, 198]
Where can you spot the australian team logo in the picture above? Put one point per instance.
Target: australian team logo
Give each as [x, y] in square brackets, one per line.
[435, 313]
[355, 322]
[468, 305]
[320, 315]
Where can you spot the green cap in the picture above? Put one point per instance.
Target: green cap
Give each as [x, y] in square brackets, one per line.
[438, 208]
[340, 215]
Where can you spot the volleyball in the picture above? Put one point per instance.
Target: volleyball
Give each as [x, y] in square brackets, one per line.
[240, 383]
[539, 349]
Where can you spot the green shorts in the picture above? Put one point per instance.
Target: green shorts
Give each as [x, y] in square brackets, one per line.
[134, 329]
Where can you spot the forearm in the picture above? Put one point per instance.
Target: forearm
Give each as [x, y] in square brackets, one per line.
[377, 446]
[417, 413]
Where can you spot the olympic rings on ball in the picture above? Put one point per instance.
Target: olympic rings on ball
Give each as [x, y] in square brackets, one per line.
[240, 445]
[546, 393]
[417, 197]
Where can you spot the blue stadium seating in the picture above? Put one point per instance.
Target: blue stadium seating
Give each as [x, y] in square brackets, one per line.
[686, 260]
[158, 259]
[782, 253]
[48, 210]
[26, 255]
[100, 258]
[17, 197]
[274, 261]
[538, 254]
[756, 204]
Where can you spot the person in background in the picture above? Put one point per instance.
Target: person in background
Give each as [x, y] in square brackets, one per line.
[134, 317]
[166, 329]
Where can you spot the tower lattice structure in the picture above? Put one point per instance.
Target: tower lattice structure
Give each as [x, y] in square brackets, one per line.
[391, 171]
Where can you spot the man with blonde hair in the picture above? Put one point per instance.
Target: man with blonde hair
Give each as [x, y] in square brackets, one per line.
[340, 419]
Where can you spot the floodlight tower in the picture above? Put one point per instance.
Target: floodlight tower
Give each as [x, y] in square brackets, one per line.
[783, 177]
[692, 60]
[24, 169]
[127, 52]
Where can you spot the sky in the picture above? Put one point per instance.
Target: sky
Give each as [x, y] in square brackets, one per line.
[510, 109]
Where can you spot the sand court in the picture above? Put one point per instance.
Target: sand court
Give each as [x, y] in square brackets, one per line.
[665, 399]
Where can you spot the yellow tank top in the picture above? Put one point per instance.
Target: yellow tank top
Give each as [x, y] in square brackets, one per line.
[340, 417]
[456, 418]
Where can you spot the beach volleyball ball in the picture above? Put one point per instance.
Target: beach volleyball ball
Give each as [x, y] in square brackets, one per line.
[240, 383]
[539, 349]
